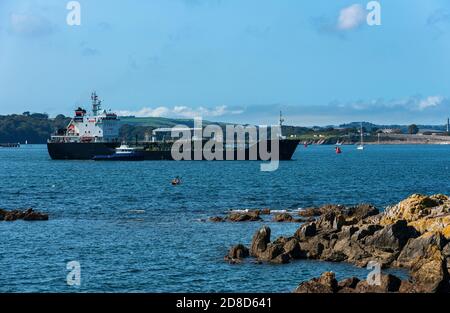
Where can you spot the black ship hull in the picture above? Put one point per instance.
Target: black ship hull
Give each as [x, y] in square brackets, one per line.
[79, 151]
[87, 151]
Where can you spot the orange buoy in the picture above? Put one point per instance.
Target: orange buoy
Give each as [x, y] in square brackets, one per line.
[338, 150]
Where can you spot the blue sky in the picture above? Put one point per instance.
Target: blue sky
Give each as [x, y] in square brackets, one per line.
[230, 60]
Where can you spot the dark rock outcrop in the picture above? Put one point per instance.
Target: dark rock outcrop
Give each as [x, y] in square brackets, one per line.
[287, 218]
[310, 212]
[414, 234]
[260, 241]
[350, 283]
[308, 230]
[237, 254]
[393, 237]
[388, 283]
[362, 211]
[217, 219]
[27, 215]
[426, 257]
[326, 283]
[250, 216]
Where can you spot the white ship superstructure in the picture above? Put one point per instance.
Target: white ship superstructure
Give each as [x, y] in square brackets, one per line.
[101, 126]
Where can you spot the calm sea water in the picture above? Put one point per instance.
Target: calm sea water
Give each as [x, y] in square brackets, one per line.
[132, 231]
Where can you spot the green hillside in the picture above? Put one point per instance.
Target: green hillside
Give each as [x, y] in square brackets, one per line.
[159, 122]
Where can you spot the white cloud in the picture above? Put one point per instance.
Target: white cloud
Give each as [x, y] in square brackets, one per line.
[146, 112]
[351, 17]
[30, 25]
[417, 103]
[181, 111]
[430, 102]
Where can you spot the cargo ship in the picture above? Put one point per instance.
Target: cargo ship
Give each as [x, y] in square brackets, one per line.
[97, 134]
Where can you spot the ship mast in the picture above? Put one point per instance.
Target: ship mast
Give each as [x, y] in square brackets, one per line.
[281, 125]
[281, 119]
[96, 104]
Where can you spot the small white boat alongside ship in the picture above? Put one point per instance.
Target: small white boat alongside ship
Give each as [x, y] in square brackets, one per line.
[122, 153]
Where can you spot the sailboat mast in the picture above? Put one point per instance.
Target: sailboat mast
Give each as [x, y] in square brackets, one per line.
[362, 135]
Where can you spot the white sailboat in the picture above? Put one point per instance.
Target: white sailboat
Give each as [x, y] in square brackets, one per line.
[361, 145]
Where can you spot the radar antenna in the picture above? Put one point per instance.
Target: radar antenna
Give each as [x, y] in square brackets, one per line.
[281, 119]
[281, 126]
[96, 104]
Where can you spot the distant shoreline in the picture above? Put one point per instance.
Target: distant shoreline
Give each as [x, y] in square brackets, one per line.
[387, 143]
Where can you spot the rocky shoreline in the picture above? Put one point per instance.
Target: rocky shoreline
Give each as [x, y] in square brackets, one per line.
[26, 215]
[413, 234]
[255, 215]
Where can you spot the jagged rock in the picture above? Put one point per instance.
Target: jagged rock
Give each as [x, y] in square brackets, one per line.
[389, 283]
[27, 215]
[292, 249]
[314, 247]
[2, 214]
[348, 283]
[446, 254]
[446, 232]
[326, 221]
[244, 217]
[393, 237]
[315, 212]
[431, 273]
[234, 261]
[426, 257]
[338, 222]
[414, 208]
[331, 221]
[283, 258]
[265, 212]
[216, 219]
[238, 252]
[332, 255]
[308, 230]
[365, 231]
[14, 215]
[334, 208]
[327, 283]
[362, 211]
[438, 223]
[271, 252]
[310, 212]
[408, 287]
[413, 234]
[352, 215]
[283, 217]
[260, 241]
[35, 216]
[348, 231]
[446, 251]
[418, 249]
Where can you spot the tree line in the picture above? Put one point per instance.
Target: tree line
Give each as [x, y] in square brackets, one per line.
[37, 128]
